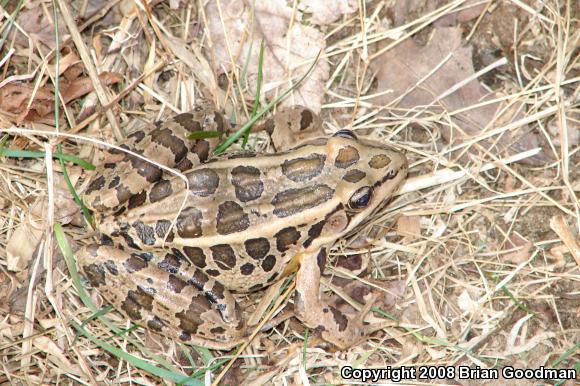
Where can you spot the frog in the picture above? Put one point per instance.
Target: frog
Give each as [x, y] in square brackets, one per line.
[175, 248]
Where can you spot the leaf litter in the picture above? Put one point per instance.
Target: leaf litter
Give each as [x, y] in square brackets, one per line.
[421, 81]
[236, 29]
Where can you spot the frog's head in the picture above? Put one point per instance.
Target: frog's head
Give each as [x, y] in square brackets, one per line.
[371, 173]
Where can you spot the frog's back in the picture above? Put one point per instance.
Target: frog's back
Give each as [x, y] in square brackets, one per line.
[245, 217]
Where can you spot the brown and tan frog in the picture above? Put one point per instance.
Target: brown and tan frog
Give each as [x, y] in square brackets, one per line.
[172, 253]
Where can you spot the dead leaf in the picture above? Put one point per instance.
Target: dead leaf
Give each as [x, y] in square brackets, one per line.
[523, 248]
[393, 291]
[8, 285]
[355, 263]
[23, 242]
[404, 11]
[409, 226]
[21, 246]
[38, 23]
[15, 97]
[69, 65]
[326, 12]
[387, 292]
[572, 127]
[290, 46]
[404, 68]
[494, 38]
[83, 86]
[56, 355]
[111, 19]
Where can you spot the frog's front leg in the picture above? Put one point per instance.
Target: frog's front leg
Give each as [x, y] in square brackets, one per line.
[336, 327]
[163, 292]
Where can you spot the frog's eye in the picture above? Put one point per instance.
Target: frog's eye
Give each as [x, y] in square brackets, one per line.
[345, 133]
[361, 198]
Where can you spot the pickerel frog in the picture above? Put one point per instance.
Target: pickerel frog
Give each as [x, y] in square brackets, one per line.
[248, 220]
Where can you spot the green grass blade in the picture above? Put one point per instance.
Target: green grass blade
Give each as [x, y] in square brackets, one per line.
[234, 137]
[40, 154]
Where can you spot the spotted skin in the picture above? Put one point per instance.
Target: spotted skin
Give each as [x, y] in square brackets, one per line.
[231, 218]
[257, 248]
[347, 156]
[173, 250]
[354, 176]
[181, 290]
[303, 169]
[286, 238]
[295, 200]
[247, 183]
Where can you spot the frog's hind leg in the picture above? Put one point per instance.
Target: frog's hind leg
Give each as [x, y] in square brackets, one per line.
[335, 327]
[165, 143]
[162, 293]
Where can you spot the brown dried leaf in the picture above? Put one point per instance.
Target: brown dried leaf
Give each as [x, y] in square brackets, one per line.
[287, 53]
[22, 244]
[394, 290]
[557, 252]
[83, 86]
[384, 293]
[8, 285]
[572, 127]
[403, 69]
[355, 263]
[56, 355]
[70, 66]
[523, 248]
[326, 12]
[409, 226]
[15, 97]
[404, 11]
[38, 23]
[111, 19]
